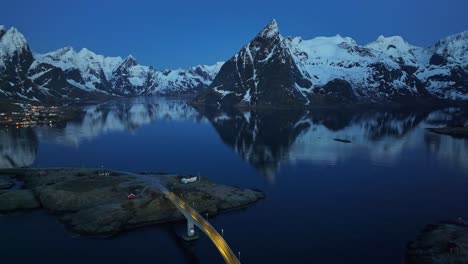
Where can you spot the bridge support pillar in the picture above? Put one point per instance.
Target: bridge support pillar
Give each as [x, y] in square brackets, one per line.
[191, 235]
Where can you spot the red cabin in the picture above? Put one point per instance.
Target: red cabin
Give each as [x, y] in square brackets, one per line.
[131, 196]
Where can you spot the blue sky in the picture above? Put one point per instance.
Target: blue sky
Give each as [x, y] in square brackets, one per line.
[172, 34]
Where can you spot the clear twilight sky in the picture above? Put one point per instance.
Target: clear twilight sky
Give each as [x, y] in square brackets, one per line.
[173, 34]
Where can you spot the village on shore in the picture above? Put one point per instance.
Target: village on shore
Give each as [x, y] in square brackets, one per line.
[29, 115]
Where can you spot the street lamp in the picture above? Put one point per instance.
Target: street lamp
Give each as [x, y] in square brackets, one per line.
[238, 253]
[222, 232]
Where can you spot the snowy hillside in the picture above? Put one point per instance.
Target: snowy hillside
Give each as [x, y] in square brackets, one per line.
[15, 58]
[328, 70]
[269, 70]
[75, 75]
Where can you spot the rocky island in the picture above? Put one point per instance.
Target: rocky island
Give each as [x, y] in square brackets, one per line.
[441, 243]
[104, 203]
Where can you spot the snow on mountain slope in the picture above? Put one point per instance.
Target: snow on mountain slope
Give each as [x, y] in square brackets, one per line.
[122, 77]
[262, 72]
[387, 68]
[95, 70]
[373, 71]
[11, 41]
[130, 78]
[185, 80]
[84, 60]
[395, 48]
[445, 73]
[329, 70]
[323, 59]
[454, 48]
[15, 58]
[75, 75]
[269, 70]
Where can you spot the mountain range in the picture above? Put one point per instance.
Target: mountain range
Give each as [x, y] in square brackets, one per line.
[276, 70]
[269, 70]
[68, 74]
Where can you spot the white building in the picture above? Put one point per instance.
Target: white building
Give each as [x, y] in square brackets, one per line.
[188, 180]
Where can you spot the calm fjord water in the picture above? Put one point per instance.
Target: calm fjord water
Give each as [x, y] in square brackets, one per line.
[326, 201]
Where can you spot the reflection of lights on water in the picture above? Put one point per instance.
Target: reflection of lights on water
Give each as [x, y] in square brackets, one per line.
[205, 226]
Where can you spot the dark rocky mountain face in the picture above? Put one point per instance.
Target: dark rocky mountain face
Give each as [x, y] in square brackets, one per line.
[120, 81]
[277, 71]
[15, 59]
[263, 72]
[270, 70]
[54, 83]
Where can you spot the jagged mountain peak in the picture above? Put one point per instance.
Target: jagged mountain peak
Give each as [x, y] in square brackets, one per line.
[69, 74]
[455, 37]
[130, 61]
[12, 40]
[394, 39]
[323, 45]
[383, 43]
[453, 48]
[268, 70]
[67, 48]
[60, 52]
[270, 31]
[15, 59]
[272, 70]
[84, 52]
[263, 72]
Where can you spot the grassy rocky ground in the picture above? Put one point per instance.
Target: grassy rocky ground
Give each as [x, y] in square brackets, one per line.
[442, 243]
[95, 205]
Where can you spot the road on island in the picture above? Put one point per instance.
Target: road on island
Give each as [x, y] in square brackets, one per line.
[195, 217]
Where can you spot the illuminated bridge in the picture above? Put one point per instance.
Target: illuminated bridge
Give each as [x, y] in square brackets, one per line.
[194, 218]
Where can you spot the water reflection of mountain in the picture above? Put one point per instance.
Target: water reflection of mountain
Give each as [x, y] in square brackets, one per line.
[18, 147]
[125, 115]
[268, 138]
[265, 139]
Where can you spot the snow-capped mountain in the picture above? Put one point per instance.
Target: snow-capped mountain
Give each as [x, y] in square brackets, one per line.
[263, 71]
[15, 59]
[69, 74]
[277, 70]
[269, 70]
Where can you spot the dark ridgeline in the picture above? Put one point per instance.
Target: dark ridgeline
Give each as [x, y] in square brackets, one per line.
[67, 75]
[13, 72]
[272, 70]
[269, 71]
[263, 72]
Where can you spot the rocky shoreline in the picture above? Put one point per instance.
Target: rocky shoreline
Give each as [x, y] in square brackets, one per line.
[460, 131]
[441, 243]
[97, 204]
